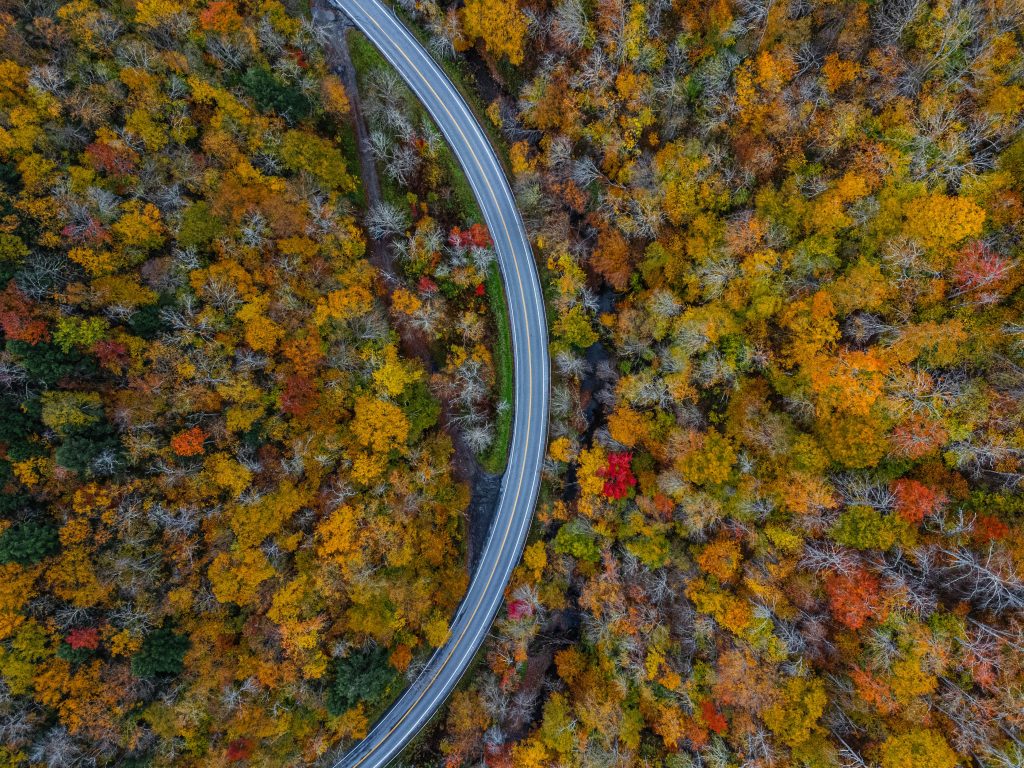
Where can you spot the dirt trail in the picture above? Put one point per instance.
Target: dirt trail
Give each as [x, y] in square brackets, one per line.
[340, 63]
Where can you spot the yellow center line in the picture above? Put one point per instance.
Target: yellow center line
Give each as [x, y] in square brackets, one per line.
[529, 364]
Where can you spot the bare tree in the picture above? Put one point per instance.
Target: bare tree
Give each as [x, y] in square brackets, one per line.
[479, 437]
[989, 581]
[385, 220]
[826, 556]
[891, 18]
[571, 365]
[58, 749]
[569, 24]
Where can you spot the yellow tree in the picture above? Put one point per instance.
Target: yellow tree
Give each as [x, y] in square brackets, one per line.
[918, 749]
[236, 577]
[500, 24]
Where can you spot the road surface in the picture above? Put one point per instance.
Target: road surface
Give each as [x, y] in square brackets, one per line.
[532, 380]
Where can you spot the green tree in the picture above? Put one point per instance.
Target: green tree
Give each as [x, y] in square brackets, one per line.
[47, 364]
[319, 158]
[363, 676]
[273, 95]
[199, 226]
[867, 528]
[574, 327]
[162, 654]
[576, 539]
[27, 543]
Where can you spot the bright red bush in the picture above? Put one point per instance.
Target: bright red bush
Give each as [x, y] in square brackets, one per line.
[618, 475]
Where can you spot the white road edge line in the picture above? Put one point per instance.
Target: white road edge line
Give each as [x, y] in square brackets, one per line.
[529, 435]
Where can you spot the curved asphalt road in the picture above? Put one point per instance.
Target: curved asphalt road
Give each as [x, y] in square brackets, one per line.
[532, 380]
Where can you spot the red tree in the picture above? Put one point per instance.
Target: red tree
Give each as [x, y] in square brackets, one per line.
[17, 318]
[918, 437]
[712, 717]
[86, 637]
[476, 236]
[853, 597]
[299, 396]
[189, 442]
[618, 475]
[519, 609]
[988, 528]
[112, 354]
[915, 501]
[240, 749]
[220, 17]
[114, 161]
[981, 272]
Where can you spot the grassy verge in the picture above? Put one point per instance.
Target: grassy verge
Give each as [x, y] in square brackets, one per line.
[463, 195]
[365, 57]
[496, 457]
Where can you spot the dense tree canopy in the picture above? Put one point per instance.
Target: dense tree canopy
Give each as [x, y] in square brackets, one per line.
[229, 520]
[781, 522]
[782, 245]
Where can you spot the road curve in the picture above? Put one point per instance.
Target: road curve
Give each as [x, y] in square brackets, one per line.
[521, 482]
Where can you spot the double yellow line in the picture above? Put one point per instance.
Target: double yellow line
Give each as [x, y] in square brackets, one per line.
[453, 646]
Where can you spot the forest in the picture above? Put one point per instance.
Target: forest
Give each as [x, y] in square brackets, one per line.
[782, 523]
[232, 508]
[245, 391]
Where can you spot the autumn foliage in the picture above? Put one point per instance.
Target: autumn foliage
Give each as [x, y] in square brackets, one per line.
[781, 517]
[188, 442]
[226, 498]
[781, 246]
[618, 476]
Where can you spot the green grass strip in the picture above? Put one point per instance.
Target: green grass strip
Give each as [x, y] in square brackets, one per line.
[495, 458]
